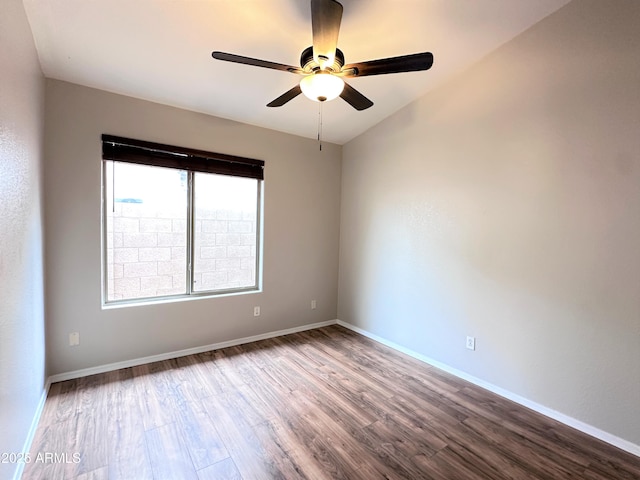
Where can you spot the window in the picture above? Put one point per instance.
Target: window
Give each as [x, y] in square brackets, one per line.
[178, 222]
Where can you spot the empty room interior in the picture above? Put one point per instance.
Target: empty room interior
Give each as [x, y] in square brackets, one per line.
[436, 275]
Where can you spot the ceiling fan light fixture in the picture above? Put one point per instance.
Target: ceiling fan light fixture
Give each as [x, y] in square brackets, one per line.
[321, 86]
[322, 64]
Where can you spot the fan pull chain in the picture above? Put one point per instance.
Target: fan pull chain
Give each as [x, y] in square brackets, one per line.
[320, 125]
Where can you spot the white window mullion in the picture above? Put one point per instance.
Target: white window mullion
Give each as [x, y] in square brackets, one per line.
[191, 225]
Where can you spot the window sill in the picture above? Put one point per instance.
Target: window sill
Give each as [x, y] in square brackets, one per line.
[141, 302]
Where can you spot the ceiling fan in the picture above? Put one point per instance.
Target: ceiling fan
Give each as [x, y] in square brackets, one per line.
[322, 64]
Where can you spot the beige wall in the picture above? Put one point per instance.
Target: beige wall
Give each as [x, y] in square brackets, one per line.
[301, 221]
[22, 369]
[506, 206]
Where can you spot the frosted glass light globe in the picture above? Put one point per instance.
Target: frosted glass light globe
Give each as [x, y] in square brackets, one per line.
[321, 86]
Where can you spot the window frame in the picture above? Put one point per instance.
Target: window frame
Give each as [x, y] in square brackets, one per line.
[125, 150]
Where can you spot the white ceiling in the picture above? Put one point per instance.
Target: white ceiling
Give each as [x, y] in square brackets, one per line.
[160, 50]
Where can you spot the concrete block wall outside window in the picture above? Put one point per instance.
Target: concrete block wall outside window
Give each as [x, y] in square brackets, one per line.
[147, 251]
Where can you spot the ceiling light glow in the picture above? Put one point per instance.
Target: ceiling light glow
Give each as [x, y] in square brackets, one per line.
[322, 86]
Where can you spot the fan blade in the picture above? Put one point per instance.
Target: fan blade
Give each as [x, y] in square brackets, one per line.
[285, 97]
[405, 63]
[230, 57]
[326, 16]
[355, 98]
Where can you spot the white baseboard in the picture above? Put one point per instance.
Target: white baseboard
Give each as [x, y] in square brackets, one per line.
[33, 428]
[607, 437]
[61, 377]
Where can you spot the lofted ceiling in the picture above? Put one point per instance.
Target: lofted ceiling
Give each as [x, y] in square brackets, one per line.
[160, 50]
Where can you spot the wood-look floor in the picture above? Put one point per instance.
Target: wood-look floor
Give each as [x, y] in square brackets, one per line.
[321, 404]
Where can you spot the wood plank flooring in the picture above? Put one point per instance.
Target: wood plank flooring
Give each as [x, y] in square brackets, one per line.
[322, 404]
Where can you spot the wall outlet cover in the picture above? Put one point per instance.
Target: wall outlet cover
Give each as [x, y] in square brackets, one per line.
[74, 339]
[471, 343]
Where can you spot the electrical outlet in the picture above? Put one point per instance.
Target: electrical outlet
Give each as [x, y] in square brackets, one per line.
[74, 339]
[313, 304]
[471, 343]
[256, 311]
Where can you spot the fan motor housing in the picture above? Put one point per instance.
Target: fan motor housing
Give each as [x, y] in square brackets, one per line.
[309, 65]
